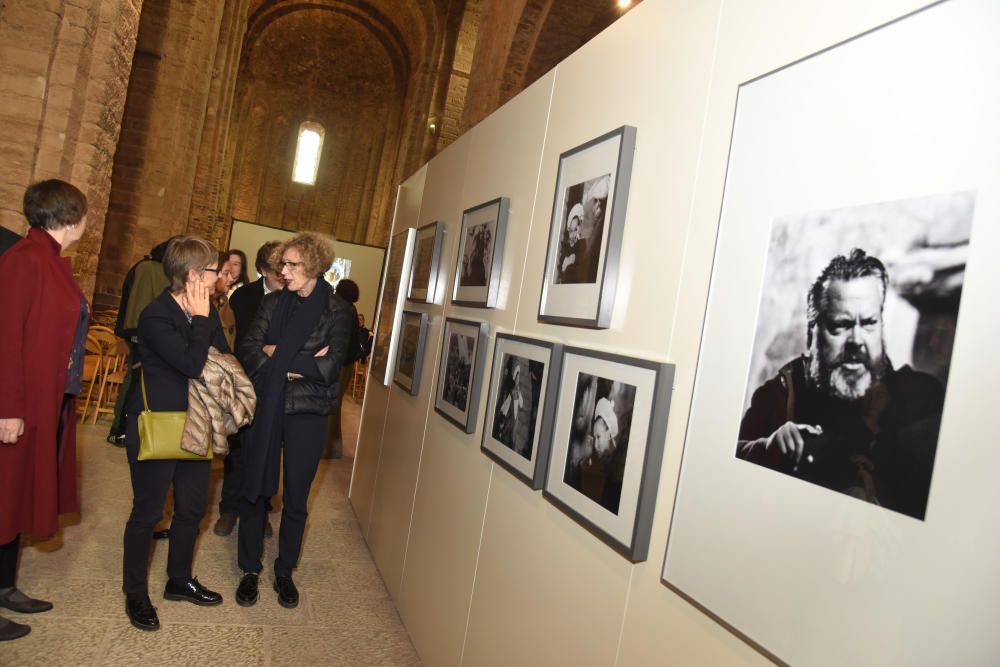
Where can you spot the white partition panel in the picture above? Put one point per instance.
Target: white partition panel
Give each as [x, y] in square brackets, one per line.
[454, 475]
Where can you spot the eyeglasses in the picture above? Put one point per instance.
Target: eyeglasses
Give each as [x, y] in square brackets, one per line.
[215, 271]
[292, 265]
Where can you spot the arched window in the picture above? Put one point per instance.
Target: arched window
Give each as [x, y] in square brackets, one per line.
[307, 152]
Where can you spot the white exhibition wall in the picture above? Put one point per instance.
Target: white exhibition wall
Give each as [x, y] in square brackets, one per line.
[484, 570]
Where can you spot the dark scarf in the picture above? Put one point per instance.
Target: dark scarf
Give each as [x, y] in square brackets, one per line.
[292, 323]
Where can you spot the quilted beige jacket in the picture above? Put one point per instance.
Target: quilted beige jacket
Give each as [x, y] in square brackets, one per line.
[219, 406]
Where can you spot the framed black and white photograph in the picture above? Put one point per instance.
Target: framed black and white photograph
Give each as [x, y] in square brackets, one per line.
[425, 268]
[460, 373]
[480, 254]
[520, 405]
[412, 340]
[390, 305]
[585, 232]
[839, 445]
[607, 444]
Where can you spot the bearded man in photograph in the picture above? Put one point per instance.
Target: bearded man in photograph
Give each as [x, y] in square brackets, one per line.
[840, 415]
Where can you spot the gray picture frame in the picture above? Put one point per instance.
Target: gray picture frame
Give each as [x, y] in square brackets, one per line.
[492, 288]
[411, 383]
[655, 398]
[429, 236]
[479, 331]
[602, 294]
[532, 475]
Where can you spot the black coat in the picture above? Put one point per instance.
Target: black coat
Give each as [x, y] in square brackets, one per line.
[7, 239]
[318, 392]
[245, 301]
[172, 352]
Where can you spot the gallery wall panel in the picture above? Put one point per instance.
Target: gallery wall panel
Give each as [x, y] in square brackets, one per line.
[753, 38]
[374, 408]
[454, 480]
[404, 438]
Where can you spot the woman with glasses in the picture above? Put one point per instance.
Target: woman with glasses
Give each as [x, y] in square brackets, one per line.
[175, 331]
[293, 351]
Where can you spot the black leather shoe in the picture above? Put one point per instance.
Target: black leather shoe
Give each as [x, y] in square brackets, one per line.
[161, 534]
[10, 630]
[191, 591]
[17, 601]
[247, 592]
[142, 613]
[288, 594]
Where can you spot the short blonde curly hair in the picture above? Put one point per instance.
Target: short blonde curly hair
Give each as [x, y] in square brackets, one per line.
[316, 250]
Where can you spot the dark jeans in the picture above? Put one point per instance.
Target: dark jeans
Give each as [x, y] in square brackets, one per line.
[150, 482]
[8, 562]
[303, 439]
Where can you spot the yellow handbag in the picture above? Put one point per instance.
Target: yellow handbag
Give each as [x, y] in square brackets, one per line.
[160, 434]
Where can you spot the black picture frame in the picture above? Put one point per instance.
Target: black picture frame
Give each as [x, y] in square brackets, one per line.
[456, 384]
[426, 264]
[485, 295]
[623, 522]
[529, 469]
[581, 270]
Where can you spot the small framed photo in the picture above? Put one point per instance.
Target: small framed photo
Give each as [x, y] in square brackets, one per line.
[390, 305]
[412, 339]
[426, 261]
[517, 430]
[585, 233]
[480, 254]
[460, 374]
[607, 445]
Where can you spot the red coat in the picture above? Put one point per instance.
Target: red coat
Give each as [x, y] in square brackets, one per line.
[39, 310]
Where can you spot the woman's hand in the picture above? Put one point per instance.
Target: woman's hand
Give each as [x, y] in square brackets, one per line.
[196, 299]
[323, 352]
[10, 430]
[268, 350]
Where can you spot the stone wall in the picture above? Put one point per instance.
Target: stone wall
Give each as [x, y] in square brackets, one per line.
[165, 110]
[64, 68]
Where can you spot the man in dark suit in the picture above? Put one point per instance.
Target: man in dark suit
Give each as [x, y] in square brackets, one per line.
[7, 239]
[245, 301]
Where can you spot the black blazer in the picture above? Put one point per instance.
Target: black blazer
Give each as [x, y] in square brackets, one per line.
[172, 351]
[318, 392]
[245, 301]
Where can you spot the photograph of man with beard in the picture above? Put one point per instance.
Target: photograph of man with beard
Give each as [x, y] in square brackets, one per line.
[841, 415]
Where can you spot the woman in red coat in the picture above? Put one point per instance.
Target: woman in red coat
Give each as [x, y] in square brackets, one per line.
[43, 330]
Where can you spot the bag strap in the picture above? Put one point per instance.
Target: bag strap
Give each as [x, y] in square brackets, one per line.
[142, 381]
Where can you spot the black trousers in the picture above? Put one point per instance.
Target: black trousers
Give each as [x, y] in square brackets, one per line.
[8, 562]
[232, 478]
[303, 439]
[150, 482]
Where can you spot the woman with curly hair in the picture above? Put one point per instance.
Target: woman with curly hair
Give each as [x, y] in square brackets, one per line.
[293, 352]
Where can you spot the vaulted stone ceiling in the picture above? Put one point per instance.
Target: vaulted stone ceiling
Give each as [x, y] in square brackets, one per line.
[358, 68]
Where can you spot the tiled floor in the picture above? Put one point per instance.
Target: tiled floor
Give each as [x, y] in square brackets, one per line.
[345, 616]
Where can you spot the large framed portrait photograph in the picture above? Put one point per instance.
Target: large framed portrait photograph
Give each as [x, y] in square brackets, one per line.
[833, 490]
[460, 373]
[585, 232]
[412, 340]
[607, 445]
[480, 254]
[391, 305]
[520, 404]
[426, 263]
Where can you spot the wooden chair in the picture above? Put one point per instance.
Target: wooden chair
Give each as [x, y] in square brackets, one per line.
[93, 364]
[358, 381]
[113, 377]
